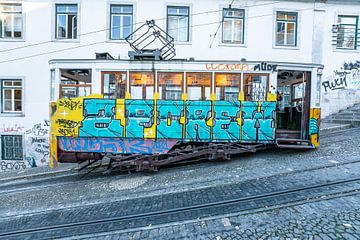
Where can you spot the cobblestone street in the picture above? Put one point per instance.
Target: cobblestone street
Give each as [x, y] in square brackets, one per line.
[329, 213]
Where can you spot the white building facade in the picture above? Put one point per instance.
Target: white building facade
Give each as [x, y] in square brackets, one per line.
[324, 34]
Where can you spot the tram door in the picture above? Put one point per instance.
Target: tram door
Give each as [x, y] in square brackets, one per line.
[293, 103]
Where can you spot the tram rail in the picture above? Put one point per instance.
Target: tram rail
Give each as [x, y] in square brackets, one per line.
[277, 199]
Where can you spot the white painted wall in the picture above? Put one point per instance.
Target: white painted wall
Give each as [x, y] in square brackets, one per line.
[31, 63]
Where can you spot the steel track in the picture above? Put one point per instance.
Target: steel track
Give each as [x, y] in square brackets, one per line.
[326, 190]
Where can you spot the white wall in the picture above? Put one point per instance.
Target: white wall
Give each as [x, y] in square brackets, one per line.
[31, 63]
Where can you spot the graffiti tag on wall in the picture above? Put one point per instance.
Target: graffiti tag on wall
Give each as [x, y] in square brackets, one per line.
[347, 77]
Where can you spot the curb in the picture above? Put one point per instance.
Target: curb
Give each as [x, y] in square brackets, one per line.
[38, 174]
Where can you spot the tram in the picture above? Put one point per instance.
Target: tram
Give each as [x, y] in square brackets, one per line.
[145, 114]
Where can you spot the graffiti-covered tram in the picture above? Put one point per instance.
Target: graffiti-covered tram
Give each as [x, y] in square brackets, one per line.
[131, 110]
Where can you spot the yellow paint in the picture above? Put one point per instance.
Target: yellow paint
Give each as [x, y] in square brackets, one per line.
[150, 132]
[59, 114]
[120, 114]
[271, 97]
[259, 107]
[127, 95]
[213, 96]
[156, 96]
[241, 96]
[184, 96]
[315, 113]
[183, 120]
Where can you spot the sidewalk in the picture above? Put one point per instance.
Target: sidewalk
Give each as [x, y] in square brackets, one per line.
[37, 172]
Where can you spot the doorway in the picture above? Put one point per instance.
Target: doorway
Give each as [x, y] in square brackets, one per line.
[293, 103]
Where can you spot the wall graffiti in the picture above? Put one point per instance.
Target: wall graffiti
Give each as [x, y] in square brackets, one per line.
[12, 165]
[347, 77]
[131, 126]
[11, 128]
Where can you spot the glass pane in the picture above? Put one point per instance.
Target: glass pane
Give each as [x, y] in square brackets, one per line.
[280, 33]
[7, 105]
[231, 93]
[136, 92]
[149, 92]
[286, 16]
[173, 27]
[234, 13]
[126, 26]
[18, 106]
[121, 9]
[72, 21]
[17, 95]
[115, 28]
[194, 93]
[62, 8]
[7, 94]
[183, 29]
[61, 26]
[207, 93]
[178, 11]
[347, 20]
[8, 83]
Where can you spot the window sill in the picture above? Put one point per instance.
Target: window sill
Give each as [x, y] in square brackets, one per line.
[12, 114]
[121, 41]
[287, 47]
[232, 45]
[183, 43]
[344, 50]
[12, 40]
[66, 40]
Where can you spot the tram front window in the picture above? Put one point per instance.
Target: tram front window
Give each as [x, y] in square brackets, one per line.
[227, 86]
[142, 85]
[198, 86]
[170, 85]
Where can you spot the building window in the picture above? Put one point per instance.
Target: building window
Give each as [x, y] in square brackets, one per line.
[66, 21]
[75, 83]
[114, 84]
[11, 99]
[347, 32]
[11, 147]
[233, 25]
[178, 23]
[170, 85]
[286, 29]
[142, 85]
[11, 20]
[121, 21]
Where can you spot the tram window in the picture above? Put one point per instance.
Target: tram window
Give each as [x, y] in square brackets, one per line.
[142, 85]
[227, 86]
[298, 90]
[114, 84]
[255, 87]
[75, 83]
[198, 86]
[170, 85]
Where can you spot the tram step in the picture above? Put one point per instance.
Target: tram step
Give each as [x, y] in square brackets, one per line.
[294, 143]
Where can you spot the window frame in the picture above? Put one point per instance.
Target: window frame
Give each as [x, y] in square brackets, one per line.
[243, 25]
[22, 38]
[188, 21]
[120, 14]
[245, 86]
[356, 36]
[13, 88]
[297, 27]
[77, 35]
[202, 86]
[158, 85]
[22, 147]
